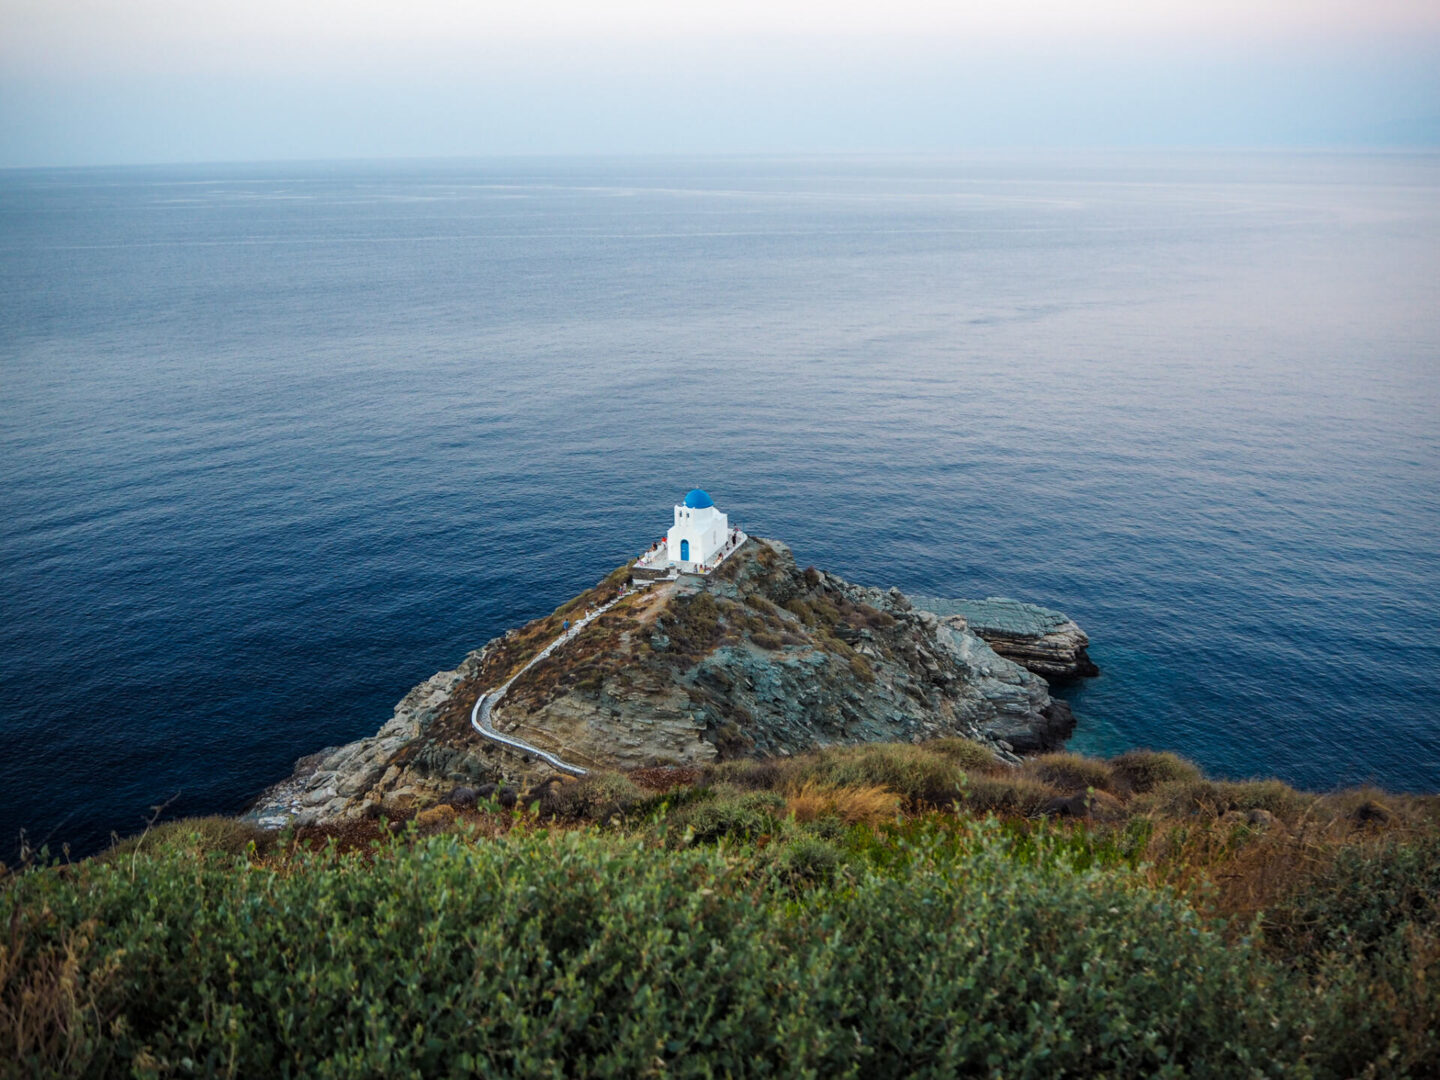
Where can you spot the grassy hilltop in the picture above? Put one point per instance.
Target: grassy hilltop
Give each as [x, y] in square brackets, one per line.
[872, 910]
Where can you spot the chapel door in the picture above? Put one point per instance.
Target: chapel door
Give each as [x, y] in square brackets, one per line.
[684, 550]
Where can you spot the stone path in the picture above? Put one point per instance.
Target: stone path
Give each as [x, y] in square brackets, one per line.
[480, 714]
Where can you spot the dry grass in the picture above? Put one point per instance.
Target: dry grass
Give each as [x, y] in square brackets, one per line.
[923, 779]
[856, 805]
[52, 994]
[751, 774]
[1274, 796]
[1071, 772]
[664, 777]
[1213, 798]
[966, 753]
[1015, 794]
[1140, 771]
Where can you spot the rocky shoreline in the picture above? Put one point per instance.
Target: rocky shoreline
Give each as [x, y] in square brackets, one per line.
[757, 659]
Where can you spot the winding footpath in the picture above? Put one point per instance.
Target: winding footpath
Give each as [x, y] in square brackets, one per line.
[485, 705]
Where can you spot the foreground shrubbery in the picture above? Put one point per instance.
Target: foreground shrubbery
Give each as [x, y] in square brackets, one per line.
[848, 912]
[573, 953]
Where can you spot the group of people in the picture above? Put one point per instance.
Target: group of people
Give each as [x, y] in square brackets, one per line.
[730, 543]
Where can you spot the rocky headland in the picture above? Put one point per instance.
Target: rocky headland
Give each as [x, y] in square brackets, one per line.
[1043, 641]
[760, 658]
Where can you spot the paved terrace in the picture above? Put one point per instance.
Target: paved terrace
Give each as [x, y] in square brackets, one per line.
[658, 559]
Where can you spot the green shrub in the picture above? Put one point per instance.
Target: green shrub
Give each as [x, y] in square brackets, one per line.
[807, 860]
[829, 827]
[1362, 896]
[731, 812]
[1366, 925]
[584, 954]
[1143, 770]
[194, 836]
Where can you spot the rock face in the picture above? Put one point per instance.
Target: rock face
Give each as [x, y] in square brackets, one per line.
[1044, 641]
[759, 658]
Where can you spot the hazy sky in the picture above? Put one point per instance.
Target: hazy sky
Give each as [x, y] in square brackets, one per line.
[111, 81]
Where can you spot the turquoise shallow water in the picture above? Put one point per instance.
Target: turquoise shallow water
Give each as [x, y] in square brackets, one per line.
[280, 441]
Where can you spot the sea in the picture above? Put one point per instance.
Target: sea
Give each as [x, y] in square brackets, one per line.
[278, 441]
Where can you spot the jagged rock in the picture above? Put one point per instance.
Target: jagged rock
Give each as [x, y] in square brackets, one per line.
[1044, 641]
[759, 658]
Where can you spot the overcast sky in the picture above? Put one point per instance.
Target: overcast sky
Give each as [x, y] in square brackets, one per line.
[134, 81]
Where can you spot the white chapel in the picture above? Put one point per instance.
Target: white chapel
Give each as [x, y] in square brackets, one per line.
[700, 531]
[700, 539]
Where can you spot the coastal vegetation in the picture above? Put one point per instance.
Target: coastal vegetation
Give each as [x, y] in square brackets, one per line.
[870, 910]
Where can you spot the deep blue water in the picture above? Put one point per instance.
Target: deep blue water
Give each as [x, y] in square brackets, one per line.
[277, 442]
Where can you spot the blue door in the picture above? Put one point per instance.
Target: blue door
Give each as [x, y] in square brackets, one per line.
[684, 550]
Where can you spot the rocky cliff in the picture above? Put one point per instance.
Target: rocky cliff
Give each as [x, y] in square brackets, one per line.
[760, 658]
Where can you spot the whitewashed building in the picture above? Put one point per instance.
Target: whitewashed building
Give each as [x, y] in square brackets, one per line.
[700, 531]
[699, 540]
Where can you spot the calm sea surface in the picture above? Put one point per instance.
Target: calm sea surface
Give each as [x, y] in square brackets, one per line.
[277, 442]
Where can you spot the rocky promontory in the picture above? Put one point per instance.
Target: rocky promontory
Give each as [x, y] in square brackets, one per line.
[759, 658]
[1043, 641]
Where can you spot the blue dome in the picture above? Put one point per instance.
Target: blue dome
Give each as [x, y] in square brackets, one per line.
[696, 499]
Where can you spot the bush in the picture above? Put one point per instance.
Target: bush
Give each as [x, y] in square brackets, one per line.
[1143, 770]
[193, 836]
[1014, 794]
[1362, 896]
[596, 797]
[752, 774]
[1275, 796]
[970, 755]
[762, 605]
[1071, 772]
[1366, 923]
[807, 861]
[692, 624]
[1211, 798]
[860, 667]
[1182, 798]
[583, 954]
[922, 779]
[730, 812]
